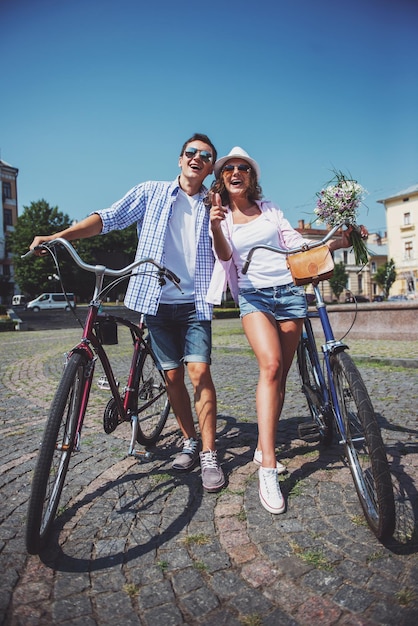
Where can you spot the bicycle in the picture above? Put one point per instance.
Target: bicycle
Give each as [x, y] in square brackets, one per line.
[143, 401]
[338, 401]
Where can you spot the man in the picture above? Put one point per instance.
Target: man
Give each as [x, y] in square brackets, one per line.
[173, 229]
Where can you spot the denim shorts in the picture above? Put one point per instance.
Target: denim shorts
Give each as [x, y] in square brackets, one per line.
[285, 302]
[177, 336]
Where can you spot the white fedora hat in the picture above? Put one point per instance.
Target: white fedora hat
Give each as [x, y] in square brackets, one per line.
[236, 153]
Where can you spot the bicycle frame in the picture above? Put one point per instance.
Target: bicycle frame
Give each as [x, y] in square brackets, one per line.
[330, 347]
[92, 348]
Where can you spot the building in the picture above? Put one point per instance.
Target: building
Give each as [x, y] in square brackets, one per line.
[402, 225]
[8, 218]
[360, 279]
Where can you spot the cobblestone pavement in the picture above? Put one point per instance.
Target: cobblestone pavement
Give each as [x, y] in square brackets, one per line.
[139, 544]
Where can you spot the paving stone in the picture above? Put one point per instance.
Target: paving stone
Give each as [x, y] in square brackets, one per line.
[119, 552]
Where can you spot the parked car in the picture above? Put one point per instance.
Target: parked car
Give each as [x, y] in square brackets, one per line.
[378, 299]
[397, 298]
[354, 298]
[51, 301]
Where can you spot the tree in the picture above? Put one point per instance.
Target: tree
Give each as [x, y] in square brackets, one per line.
[338, 281]
[32, 274]
[385, 276]
[115, 249]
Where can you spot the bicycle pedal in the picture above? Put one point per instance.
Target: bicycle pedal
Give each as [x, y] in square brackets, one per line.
[308, 431]
[142, 455]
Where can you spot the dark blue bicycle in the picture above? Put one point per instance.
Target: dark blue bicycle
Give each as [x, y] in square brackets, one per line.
[339, 403]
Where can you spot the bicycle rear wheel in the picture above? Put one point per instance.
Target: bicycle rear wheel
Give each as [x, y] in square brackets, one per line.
[153, 403]
[311, 387]
[364, 448]
[54, 456]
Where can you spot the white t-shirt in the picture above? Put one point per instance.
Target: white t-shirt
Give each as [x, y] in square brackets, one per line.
[180, 249]
[267, 268]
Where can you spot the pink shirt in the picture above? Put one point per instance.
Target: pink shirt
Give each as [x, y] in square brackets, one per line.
[225, 272]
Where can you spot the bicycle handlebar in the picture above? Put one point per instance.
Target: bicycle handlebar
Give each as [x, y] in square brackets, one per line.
[101, 269]
[305, 246]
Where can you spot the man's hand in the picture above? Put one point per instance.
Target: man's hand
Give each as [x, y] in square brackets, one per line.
[38, 240]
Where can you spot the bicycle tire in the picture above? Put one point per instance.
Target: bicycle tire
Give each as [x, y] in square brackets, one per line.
[54, 455]
[153, 404]
[311, 388]
[365, 450]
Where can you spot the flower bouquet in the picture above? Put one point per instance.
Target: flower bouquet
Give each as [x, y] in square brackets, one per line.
[339, 202]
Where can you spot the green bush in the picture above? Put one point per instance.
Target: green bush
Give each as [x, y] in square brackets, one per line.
[224, 313]
[6, 325]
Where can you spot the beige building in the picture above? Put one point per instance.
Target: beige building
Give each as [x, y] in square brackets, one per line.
[8, 218]
[402, 231]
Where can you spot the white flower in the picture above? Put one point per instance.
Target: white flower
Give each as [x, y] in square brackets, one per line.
[340, 202]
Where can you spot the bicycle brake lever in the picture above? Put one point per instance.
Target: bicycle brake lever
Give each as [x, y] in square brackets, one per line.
[174, 279]
[172, 276]
[245, 266]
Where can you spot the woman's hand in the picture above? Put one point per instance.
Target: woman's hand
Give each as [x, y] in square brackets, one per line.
[217, 216]
[217, 212]
[345, 240]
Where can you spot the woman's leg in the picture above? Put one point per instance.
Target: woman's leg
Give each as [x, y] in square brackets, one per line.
[274, 345]
[289, 334]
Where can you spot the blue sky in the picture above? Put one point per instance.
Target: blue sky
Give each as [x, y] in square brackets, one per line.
[99, 95]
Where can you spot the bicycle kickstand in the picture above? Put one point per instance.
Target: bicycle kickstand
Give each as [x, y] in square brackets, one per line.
[141, 455]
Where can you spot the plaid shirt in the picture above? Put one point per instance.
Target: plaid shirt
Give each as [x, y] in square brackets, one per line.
[150, 205]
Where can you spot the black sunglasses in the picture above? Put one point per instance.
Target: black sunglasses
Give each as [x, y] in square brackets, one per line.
[204, 154]
[241, 168]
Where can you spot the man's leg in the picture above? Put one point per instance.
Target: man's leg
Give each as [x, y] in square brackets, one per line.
[204, 402]
[213, 477]
[180, 401]
[181, 407]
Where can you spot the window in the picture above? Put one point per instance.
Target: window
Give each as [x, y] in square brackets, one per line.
[373, 267]
[8, 218]
[7, 190]
[345, 257]
[406, 219]
[408, 250]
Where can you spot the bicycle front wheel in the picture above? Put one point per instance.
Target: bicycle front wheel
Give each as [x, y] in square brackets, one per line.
[54, 456]
[153, 404]
[364, 447]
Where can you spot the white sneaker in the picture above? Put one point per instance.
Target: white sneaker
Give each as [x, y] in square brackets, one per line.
[269, 490]
[258, 458]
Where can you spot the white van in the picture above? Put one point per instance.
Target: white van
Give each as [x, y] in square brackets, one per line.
[51, 301]
[19, 300]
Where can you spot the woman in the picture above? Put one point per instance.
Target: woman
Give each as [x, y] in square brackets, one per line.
[272, 308]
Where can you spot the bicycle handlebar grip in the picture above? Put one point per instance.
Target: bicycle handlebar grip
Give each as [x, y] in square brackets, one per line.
[30, 252]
